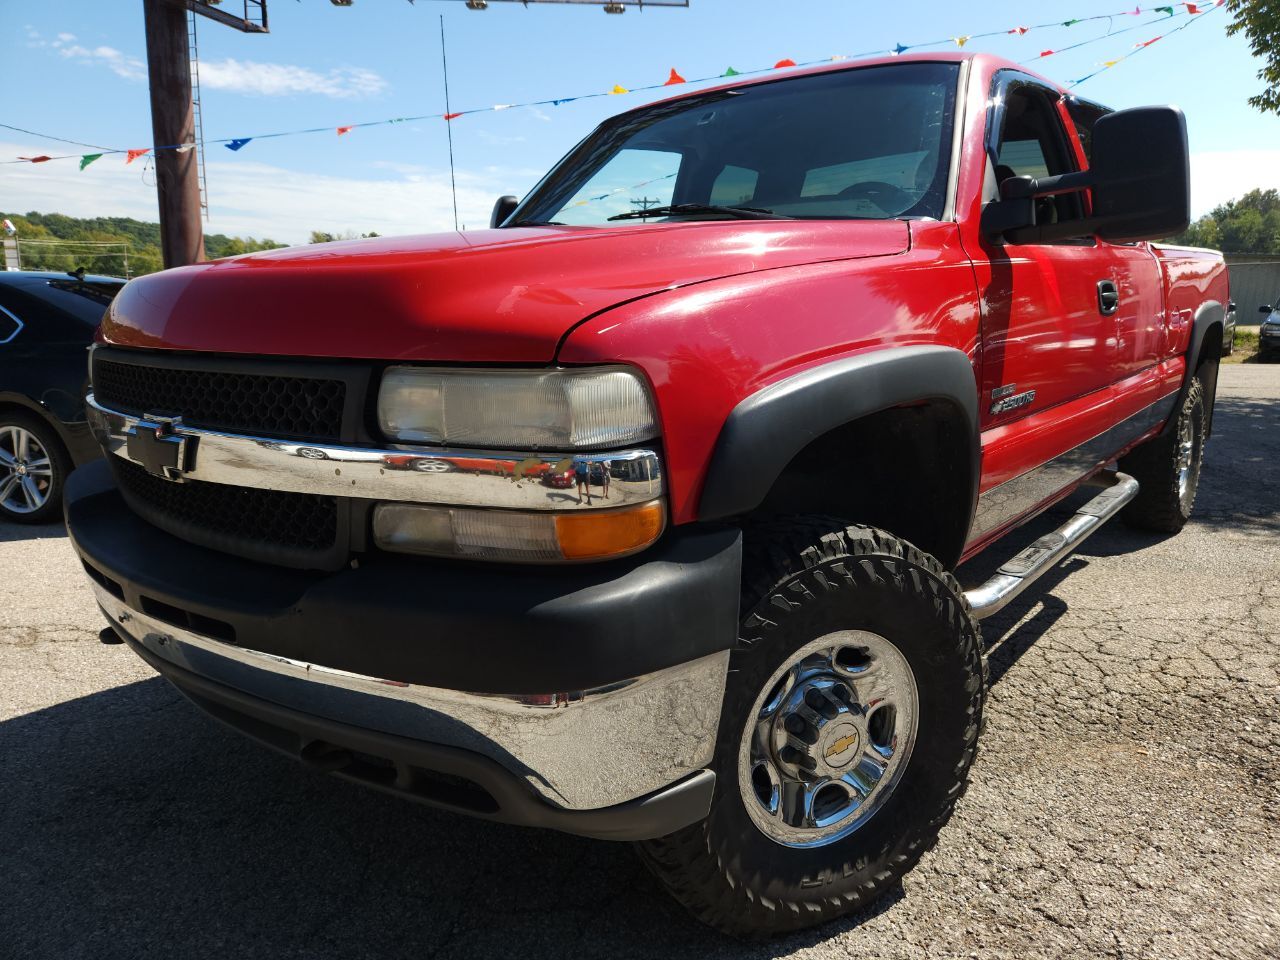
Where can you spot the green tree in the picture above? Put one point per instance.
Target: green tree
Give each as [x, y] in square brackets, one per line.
[1250, 224]
[1260, 22]
[320, 236]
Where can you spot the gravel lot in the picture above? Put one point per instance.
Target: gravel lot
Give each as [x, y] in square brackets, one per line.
[1125, 802]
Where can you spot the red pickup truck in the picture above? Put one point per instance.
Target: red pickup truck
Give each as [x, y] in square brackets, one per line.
[819, 336]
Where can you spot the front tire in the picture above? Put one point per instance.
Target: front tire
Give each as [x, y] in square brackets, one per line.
[1167, 469]
[858, 673]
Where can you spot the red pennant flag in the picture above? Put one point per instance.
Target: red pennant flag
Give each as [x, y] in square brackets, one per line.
[674, 78]
[342, 130]
[452, 116]
[1136, 11]
[784, 63]
[1191, 8]
[40, 159]
[1046, 53]
[133, 155]
[1020, 30]
[1147, 43]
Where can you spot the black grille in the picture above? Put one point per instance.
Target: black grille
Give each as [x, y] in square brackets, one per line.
[262, 405]
[236, 518]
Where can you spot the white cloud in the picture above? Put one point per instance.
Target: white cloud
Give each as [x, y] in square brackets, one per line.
[237, 76]
[122, 65]
[1219, 176]
[282, 79]
[261, 199]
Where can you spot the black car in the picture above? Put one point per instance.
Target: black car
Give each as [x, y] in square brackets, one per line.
[1269, 330]
[47, 320]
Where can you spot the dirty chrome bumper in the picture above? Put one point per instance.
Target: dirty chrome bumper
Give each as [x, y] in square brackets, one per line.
[576, 750]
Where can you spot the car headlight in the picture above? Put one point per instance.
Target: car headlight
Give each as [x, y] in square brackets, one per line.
[569, 409]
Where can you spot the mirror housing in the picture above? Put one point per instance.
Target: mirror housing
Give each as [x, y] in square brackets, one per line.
[1139, 177]
[1265, 309]
[502, 210]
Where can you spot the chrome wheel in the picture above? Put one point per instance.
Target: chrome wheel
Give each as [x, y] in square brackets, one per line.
[432, 466]
[828, 739]
[1187, 459]
[26, 471]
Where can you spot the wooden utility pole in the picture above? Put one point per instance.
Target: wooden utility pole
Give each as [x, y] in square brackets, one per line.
[172, 122]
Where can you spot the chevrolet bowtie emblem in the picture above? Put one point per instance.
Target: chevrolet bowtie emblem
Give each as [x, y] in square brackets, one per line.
[838, 747]
[163, 452]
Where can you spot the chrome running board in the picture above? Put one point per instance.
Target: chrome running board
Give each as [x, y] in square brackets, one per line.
[1028, 566]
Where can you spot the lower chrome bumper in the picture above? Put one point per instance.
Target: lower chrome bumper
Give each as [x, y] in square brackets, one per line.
[576, 750]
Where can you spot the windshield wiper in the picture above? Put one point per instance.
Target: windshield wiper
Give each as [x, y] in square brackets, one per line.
[738, 213]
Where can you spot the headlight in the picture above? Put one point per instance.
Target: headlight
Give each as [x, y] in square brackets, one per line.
[537, 410]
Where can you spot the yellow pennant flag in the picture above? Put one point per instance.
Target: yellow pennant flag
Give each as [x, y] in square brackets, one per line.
[960, 41]
[618, 88]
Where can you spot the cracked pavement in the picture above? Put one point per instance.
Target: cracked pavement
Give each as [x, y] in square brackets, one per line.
[1125, 802]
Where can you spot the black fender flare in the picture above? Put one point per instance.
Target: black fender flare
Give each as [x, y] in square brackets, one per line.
[1209, 314]
[766, 430]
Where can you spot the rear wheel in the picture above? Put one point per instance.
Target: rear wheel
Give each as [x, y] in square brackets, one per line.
[1167, 469]
[850, 720]
[33, 467]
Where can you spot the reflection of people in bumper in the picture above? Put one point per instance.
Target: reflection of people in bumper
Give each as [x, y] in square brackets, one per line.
[606, 467]
[582, 473]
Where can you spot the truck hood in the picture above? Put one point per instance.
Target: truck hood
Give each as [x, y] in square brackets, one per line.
[491, 296]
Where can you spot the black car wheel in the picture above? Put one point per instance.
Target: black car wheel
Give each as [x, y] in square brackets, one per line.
[33, 467]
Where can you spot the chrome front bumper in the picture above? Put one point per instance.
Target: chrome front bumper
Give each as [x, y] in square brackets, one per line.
[577, 750]
[474, 478]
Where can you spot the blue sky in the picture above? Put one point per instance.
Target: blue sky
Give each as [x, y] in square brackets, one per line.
[325, 66]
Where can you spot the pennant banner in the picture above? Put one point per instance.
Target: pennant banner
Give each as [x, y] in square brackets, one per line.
[1193, 11]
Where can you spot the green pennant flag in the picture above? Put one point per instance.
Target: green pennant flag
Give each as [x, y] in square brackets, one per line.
[1168, 10]
[730, 73]
[88, 158]
[1070, 23]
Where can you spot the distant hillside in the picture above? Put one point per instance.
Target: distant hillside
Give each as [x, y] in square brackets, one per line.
[143, 239]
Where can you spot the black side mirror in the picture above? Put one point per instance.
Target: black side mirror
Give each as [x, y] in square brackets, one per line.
[1139, 175]
[503, 209]
[1265, 309]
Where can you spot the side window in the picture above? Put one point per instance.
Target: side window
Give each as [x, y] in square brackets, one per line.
[733, 186]
[10, 325]
[1033, 144]
[1084, 115]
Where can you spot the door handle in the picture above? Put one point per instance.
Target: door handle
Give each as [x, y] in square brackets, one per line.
[1108, 297]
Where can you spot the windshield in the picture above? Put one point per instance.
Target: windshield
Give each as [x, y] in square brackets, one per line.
[870, 143]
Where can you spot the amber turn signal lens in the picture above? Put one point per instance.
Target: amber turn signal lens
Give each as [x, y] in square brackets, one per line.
[612, 533]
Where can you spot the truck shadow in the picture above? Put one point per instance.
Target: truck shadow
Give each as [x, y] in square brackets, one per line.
[18, 532]
[133, 823]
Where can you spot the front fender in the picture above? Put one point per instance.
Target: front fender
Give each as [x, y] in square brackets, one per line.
[766, 430]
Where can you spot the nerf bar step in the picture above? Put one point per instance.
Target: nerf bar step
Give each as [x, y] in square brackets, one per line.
[1029, 565]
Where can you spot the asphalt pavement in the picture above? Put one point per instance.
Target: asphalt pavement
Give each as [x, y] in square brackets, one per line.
[1126, 802]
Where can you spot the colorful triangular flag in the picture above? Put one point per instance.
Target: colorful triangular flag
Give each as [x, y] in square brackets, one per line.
[88, 158]
[237, 144]
[1020, 31]
[342, 130]
[1046, 53]
[451, 116]
[132, 155]
[42, 158]
[1165, 10]
[1069, 23]
[506, 106]
[788, 62]
[556, 103]
[1191, 8]
[619, 88]
[674, 78]
[899, 49]
[730, 73]
[960, 41]
[184, 148]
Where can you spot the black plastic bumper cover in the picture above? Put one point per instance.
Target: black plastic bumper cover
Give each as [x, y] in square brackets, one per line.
[471, 627]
